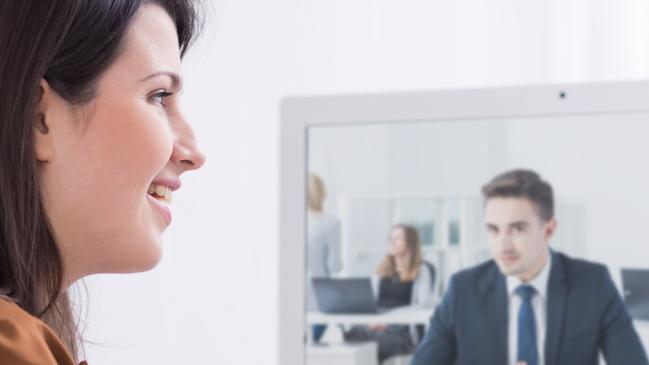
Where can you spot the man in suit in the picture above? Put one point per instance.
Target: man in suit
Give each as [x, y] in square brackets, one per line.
[528, 304]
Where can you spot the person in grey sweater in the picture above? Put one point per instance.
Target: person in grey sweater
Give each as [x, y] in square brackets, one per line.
[323, 243]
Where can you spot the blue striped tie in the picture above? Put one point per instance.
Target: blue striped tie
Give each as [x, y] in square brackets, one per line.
[527, 350]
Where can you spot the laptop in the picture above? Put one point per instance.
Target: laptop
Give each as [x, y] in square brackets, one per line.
[345, 296]
[635, 283]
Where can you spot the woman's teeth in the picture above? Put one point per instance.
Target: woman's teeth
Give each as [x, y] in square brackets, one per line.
[160, 192]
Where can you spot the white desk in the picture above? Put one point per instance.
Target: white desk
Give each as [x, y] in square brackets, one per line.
[642, 327]
[343, 354]
[396, 316]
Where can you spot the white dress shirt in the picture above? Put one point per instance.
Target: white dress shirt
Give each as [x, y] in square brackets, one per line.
[540, 305]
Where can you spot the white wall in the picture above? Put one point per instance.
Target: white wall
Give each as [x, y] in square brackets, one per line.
[213, 299]
[427, 159]
[603, 166]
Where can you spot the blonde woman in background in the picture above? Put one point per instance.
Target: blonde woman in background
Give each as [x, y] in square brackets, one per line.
[323, 243]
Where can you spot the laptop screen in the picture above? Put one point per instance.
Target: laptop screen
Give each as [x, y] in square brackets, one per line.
[635, 283]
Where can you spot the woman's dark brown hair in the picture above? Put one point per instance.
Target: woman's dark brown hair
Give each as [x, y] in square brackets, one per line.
[68, 43]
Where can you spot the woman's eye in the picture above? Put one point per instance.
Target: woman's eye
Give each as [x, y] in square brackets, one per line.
[159, 97]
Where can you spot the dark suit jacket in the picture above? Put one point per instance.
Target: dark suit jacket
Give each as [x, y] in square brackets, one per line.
[585, 315]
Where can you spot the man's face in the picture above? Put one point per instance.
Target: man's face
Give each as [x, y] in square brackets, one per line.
[518, 236]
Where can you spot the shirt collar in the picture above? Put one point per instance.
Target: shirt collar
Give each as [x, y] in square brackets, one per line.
[540, 282]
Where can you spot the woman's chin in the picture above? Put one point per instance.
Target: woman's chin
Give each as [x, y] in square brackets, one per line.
[149, 262]
[143, 260]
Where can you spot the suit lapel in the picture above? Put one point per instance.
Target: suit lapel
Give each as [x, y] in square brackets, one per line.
[557, 293]
[496, 293]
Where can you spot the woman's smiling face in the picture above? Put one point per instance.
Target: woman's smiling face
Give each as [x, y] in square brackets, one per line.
[107, 168]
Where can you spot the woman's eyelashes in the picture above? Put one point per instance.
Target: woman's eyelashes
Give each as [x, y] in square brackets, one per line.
[159, 98]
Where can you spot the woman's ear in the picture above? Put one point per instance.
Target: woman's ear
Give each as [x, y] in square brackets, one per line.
[43, 143]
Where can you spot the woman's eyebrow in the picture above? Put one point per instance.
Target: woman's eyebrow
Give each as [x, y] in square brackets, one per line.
[176, 80]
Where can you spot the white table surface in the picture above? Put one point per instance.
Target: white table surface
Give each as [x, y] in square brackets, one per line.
[406, 315]
[396, 316]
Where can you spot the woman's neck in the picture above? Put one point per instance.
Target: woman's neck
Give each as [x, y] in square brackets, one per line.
[401, 264]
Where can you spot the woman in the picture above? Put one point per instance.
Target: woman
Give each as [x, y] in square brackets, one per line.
[323, 245]
[93, 143]
[403, 279]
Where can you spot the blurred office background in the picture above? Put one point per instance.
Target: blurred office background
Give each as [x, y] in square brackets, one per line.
[428, 174]
[213, 298]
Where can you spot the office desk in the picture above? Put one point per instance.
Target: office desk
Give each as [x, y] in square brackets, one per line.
[343, 354]
[396, 316]
[642, 327]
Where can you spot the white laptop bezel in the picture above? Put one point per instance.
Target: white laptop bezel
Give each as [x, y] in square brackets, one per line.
[300, 113]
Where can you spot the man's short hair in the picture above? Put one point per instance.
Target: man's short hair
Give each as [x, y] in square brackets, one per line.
[520, 183]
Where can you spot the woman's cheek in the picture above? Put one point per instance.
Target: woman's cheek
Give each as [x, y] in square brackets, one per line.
[152, 140]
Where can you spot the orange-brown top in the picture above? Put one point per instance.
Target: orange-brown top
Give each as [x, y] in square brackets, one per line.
[26, 340]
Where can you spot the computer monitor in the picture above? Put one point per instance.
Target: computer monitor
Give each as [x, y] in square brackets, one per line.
[421, 157]
[635, 283]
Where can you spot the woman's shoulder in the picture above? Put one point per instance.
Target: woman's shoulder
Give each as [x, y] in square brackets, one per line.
[324, 221]
[10, 311]
[329, 219]
[425, 275]
[15, 322]
[24, 339]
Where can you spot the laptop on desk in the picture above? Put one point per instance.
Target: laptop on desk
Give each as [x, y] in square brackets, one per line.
[345, 296]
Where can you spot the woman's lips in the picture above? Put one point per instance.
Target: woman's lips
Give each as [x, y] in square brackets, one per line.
[161, 207]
